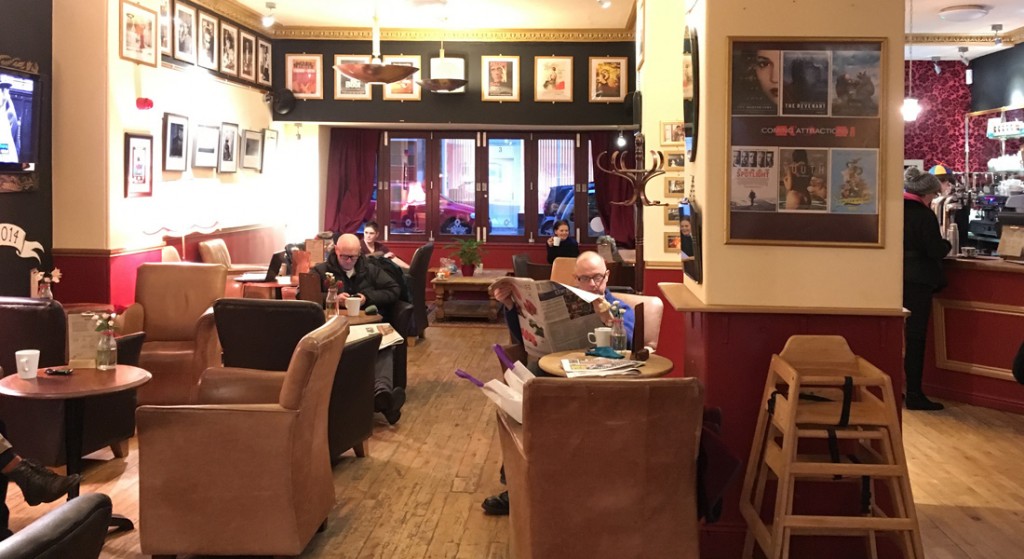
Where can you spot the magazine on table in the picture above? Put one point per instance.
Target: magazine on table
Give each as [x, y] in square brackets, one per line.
[552, 317]
[600, 367]
[360, 331]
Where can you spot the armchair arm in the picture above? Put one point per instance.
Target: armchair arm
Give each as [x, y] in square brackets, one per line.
[207, 352]
[132, 319]
[401, 317]
[233, 385]
[74, 529]
[621, 289]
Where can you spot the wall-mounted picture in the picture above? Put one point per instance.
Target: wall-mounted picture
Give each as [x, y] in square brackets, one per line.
[139, 34]
[175, 142]
[264, 58]
[247, 62]
[675, 160]
[269, 149]
[675, 186]
[501, 78]
[672, 216]
[138, 164]
[227, 148]
[206, 141]
[165, 28]
[673, 242]
[346, 88]
[552, 78]
[228, 49]
[185, 33]
[608, 79]
[673, 133]
[303, 74]
[407, 89]
[641, 27]
[207, 55]
[252, 149]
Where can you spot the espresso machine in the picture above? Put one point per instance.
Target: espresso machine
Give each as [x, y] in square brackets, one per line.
[984, 224]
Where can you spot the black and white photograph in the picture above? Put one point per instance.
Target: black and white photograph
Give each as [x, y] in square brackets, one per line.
[175, 142]
[247, 63]
[264, 62]
[208, 41]
[228, 49]
[165, 28]
[227, 148]
[185, 33]
[269, 149]
[206, 144]
[675, 186]
[252, 149]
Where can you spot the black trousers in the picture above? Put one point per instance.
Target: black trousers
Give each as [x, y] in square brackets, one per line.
[5, 513]
[917, 298]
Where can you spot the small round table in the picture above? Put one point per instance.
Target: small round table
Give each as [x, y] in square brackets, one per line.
[655, 366]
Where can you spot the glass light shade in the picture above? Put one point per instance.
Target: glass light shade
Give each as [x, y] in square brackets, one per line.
[375, 72]
[910, 109]
[447, 75]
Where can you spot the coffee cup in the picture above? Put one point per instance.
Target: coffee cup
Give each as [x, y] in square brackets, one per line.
[27, 361]
[555, 241]
[352, 306]
[601, 337]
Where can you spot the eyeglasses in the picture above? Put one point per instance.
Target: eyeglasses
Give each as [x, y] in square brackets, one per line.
[596, 278]
[347, 256]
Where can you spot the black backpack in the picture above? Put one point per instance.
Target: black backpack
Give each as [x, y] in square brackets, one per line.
[393, 270]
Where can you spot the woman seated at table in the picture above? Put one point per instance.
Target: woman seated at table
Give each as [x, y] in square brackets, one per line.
[561, 244]
[370, 244]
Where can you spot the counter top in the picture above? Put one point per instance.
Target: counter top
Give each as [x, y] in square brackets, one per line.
[985, 264]
[682, 299]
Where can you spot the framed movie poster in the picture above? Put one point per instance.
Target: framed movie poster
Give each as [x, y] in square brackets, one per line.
[252, 149]
[138, 164]
[227, 148]
[501, 78]
[347, 88]
[185, 33]
[552, 79]
[139, 34]
[806, 141]
[264, 61]
[165, 28]
[303, 74]
[407, 89]
[175, 142]
[206, 138]
[228, 49]
[608, 79]
[207, 54]
[247, 62]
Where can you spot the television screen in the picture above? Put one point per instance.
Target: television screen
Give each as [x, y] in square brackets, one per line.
[20, 100]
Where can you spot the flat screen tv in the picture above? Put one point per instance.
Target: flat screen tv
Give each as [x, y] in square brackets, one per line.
[20, 106]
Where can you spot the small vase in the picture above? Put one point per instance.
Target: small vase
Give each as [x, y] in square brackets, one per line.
[331, 302]
[45, 292]
[106, 351]
[467, 270]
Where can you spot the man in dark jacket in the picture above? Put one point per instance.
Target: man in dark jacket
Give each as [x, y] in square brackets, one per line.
[356, 277]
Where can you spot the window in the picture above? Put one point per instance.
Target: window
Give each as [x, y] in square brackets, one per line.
[506, 180]
[556, 188]
[457, 201]
[406, 176]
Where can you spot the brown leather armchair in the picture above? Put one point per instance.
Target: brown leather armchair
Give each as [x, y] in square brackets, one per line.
[173, 306]
[215, 251]
[236, 478]
[654, 308]
[604, 468]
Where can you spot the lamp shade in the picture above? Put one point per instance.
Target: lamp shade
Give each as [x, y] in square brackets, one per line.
[447, 75]
[910, 109]
[376, 72]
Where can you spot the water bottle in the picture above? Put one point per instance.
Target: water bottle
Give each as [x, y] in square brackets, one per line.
[106, 351]
[618, 335]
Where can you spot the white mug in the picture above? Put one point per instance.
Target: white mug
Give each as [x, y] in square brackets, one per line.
[601, 336]
[555, 241]
[27, 361]
[352, 306]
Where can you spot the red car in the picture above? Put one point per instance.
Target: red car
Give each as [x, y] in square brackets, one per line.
[456, 217]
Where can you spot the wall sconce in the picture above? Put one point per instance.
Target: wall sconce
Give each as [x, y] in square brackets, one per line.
[268, 20]
[996, 28]
[935, 65]
[621, 140]
[298, 130]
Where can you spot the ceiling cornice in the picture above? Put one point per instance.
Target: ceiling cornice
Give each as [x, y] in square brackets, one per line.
[458, 35]
[1010, 38]
[237, 12]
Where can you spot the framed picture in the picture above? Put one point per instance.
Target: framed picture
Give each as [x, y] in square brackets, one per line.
[205, 155]
[691, 91]
[673, 242]
[269, 149]
[608, 79]
[407, 89]
[264, 59]
[185, 33]
[175, 142]
[552, 78]
[675, 186]
[139, 34]
[303, 74]
[228, 49]
[227, 148]
[672, 216]
[165, 28]
[252, 149]
[502, 78]
[346, 88]
[247, 63]
[138, 164]
[675, 160]
[641, 27]
[673, 133]
[209, 40]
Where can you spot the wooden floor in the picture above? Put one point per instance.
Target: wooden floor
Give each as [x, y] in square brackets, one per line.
[418, 493]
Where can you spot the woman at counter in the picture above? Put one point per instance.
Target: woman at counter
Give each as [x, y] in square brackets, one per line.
[923, 251]
[561, 244]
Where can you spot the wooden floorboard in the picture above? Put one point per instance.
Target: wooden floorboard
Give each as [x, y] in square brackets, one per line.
[418, 493]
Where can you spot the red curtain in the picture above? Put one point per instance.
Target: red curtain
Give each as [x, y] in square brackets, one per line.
[618, 220]
[351, 178]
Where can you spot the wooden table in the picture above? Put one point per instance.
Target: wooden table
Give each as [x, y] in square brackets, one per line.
[655, 366]
[477, 283]
[277, 285]
[74, 389]
[363, 318]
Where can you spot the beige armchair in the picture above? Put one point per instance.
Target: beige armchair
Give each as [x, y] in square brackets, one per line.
[654, 308]
[604, 468]
[215, 251]
[235, 478]
[172, 304]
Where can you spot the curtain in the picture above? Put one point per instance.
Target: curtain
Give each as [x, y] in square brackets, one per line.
[618, 220]
[351, 179]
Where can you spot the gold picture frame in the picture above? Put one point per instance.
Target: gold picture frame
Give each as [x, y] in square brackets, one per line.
[675, 187]
[304, 75]
[500, 78]
[675, 159]
[407, 89]
[672, 216]
[552, 79]
[673, 133]
[347, 88]
[608, 79]
[139, 34]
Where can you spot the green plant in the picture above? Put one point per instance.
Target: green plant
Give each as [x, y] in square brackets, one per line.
[468, 251]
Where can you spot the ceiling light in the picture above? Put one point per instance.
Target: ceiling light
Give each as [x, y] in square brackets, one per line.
[268, 20]
[935, 65]
[910, 109]
[375, 71]
[996, 28]
[964, 12]
[447, 75]
[963, 55]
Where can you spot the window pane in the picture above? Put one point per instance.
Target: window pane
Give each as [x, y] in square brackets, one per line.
[458, 195]
[555, 188]
[507, 186]
[406, 176]
[595, 227]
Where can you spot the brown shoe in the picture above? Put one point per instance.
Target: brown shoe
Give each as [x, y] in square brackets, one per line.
[40, 485]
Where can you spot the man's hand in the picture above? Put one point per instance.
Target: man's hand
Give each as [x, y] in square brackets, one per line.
[503, 294]
[343, 297]
[603, 309]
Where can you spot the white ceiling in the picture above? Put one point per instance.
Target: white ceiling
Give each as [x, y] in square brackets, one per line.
[588, 14]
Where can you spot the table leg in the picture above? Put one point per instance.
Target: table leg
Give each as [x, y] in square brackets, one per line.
[439, 310]
[74, 413]
[493, 316]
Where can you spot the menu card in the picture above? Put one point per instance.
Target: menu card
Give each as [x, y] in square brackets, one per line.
[82, 339]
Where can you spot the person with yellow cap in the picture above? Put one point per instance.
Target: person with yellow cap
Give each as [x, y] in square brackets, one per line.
[962, 216]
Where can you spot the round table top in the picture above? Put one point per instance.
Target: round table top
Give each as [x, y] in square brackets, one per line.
[655, 366]
[81, 383]
[363, 318]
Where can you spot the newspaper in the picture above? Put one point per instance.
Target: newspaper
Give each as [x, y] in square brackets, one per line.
[600, 367]
[507, 395]
[552, 317]
[358, 332]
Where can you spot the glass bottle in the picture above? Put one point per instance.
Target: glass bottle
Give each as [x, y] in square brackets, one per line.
[331, 303]
[44, 291]
[106, 351]
[618, 335]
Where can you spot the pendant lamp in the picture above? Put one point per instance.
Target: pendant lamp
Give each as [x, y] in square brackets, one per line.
[446, 74]
[911, 108]
[375, 71]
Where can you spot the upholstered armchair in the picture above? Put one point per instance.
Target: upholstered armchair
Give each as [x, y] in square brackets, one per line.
[172, 304]
[417, 282]
[215, 251]
[654, 308]
[36, 427]
[237, 478]
[74, 530]
[604, 468]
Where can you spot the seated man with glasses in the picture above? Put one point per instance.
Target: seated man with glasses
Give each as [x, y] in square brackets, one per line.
[372, 286]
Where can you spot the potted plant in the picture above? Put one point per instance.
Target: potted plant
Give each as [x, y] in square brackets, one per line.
[468, 251]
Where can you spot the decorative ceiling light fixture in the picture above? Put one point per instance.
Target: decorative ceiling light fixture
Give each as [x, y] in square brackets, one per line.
[964, 12]
[375, 71]
[268, 20]
[935, 65]
[996, 28]
[911, 108]
[447, 75]
[968, 73]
